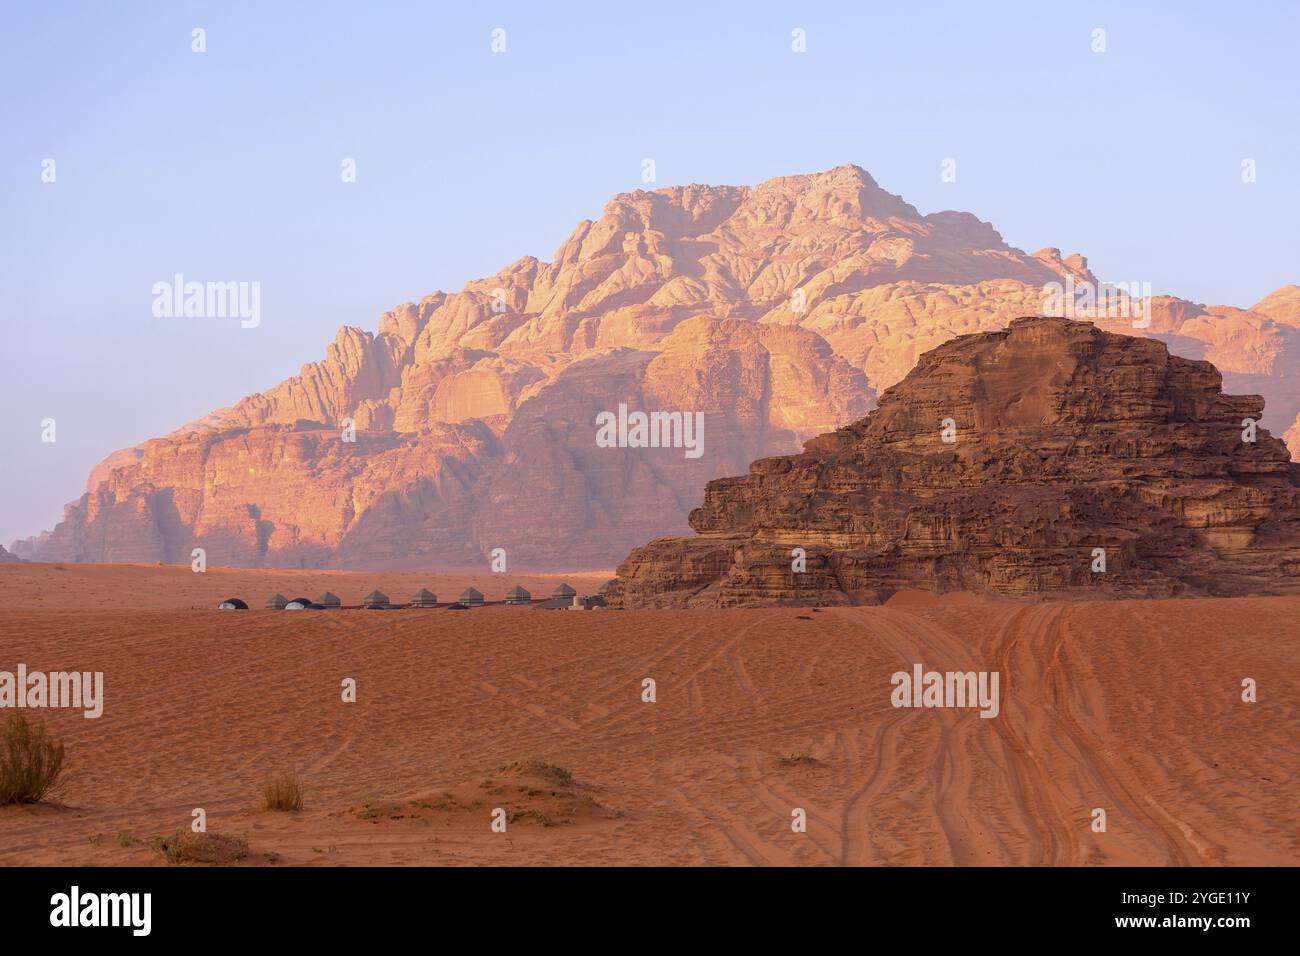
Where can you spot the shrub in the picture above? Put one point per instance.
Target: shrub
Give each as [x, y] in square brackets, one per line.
[282, 793]
[795, 760]
[552, 773]
[30, 762]
[185, 846]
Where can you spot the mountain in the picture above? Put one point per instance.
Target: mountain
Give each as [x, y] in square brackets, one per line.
[1048, 459]
[776, 312]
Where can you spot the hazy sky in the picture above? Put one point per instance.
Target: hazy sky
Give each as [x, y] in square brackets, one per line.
[226, 165]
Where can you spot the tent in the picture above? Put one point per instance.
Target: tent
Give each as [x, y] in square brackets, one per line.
[301, 604]
[563, 593]
[232, 604]
[329, 600]
[554, 604]
[471, 597]
[517, 595]
[375, 599]
[424, 598]
[277, 603]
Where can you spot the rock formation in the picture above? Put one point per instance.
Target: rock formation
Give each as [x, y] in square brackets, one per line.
[1009, 463]
[6, 556]
[777, 311]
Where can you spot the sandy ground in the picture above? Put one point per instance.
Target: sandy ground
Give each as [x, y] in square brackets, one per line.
[173, 587]
[1132, 707]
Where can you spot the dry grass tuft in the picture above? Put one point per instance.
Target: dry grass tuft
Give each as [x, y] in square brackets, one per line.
[282, 793]
[30, 762]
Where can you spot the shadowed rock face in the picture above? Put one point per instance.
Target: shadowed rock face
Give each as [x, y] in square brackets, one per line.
[1067, 439]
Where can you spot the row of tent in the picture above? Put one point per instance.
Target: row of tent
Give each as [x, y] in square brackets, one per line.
[562, 597]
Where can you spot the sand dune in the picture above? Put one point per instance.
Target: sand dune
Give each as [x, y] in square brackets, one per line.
[1133, 707]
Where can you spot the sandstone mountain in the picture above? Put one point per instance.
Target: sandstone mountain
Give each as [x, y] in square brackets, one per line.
[6, 556]
[1048, 458]
[777, 311]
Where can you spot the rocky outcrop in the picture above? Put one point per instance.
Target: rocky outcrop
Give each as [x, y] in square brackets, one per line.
[1052, 458]
[778, 312]
[5, 556]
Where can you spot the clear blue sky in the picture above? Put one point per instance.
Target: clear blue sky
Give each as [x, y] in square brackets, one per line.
[226, 165]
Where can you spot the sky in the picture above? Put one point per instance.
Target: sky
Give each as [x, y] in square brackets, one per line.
[226, 165]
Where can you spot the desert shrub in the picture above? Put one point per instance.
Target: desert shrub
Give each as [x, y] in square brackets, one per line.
[30, 762]
[795, 760]
[282, 793]
[552, 773]
[185, 846]
[534, 814]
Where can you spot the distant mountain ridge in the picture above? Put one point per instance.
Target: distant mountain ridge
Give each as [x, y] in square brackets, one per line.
[779, 311]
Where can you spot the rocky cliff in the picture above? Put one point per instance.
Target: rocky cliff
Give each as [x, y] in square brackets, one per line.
[1051, 458]
[777, 312]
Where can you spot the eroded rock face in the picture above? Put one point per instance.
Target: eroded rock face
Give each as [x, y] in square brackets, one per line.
[1068, 443]
[778, 311]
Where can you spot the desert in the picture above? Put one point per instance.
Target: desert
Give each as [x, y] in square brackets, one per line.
[567, 468]
[1134, 707]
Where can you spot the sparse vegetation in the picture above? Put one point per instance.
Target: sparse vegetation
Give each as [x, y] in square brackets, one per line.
[444, 801]
[537, 815]
[796, 760]
[374, 811]
[551, 773]
[282, 793]
[185, 846]
[30, 762]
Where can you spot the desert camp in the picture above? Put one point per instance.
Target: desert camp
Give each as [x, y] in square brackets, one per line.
[375, 600]
[424, 598]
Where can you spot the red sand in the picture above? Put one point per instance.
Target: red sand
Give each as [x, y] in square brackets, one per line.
[1134, 707]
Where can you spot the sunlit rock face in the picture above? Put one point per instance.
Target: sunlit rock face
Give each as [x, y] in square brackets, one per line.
[777, 311]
